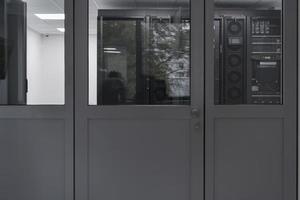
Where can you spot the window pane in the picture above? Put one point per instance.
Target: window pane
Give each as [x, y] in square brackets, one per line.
[248, 52]
[31, 52]
[142, 56]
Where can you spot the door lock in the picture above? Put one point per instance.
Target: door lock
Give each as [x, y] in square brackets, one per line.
[195, 113]
[197, 126]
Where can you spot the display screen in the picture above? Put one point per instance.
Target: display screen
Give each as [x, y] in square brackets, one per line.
[235, 41]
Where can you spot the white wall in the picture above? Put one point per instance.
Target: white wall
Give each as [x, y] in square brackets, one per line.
[93, 69]
[34, 48]
[53, 70]
[45, 69]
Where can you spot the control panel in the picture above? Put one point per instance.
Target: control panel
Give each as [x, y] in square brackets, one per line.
[264, 60]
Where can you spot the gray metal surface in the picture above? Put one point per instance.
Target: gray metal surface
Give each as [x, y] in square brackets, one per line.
[34, 154]
[138, 152]
[248, 158]
[139, 159]
[251, 150]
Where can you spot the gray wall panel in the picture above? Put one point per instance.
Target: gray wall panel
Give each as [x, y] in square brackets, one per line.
[248, 159]
[32, 154]
[139, 159]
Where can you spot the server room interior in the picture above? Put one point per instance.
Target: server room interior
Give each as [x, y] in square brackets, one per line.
[248, 59]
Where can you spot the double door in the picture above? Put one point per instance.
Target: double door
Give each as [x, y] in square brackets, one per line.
[167, 100]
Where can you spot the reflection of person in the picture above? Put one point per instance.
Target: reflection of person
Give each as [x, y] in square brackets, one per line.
[113, 89]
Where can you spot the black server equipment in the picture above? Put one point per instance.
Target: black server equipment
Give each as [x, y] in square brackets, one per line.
[218, 61]
[233, 60]
[13, 28]
[16, 68]
[264, 59]
[248, 56]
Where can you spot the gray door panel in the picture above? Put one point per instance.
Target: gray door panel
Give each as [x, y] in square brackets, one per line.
[34, 155]
[139, 159]
[248, 158]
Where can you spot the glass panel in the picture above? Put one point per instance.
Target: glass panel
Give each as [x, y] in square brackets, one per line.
[139, 55]
[31, 52]
[248, 52]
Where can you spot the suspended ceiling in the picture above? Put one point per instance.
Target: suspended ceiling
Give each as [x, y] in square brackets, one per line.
[57, 6]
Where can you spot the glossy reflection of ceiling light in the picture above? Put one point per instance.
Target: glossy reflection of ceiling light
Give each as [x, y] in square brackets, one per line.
[51, 16]
[110, 49]
[113, 52]
[61, 29]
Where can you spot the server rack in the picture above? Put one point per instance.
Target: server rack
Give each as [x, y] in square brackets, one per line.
[249, 62]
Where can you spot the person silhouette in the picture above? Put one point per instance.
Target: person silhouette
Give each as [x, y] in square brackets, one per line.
[114, 89]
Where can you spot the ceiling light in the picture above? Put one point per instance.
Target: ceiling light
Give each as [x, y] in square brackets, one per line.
[61, 29]
[51, 16]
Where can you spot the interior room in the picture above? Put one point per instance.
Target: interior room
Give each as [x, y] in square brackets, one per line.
[149, 99]
[44, 69]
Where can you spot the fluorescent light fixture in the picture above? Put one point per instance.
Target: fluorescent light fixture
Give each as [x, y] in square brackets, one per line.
[51, 16]
[113, 52]
[110, 49]
[61, 29]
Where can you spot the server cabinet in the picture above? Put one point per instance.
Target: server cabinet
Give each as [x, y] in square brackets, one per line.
[250, 47]
[16, 52]
[13, 28]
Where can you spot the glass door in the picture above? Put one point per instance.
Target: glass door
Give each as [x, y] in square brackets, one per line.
[139, 99]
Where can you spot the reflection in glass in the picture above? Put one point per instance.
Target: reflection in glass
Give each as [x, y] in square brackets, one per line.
[143, 57]
[248, 52]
